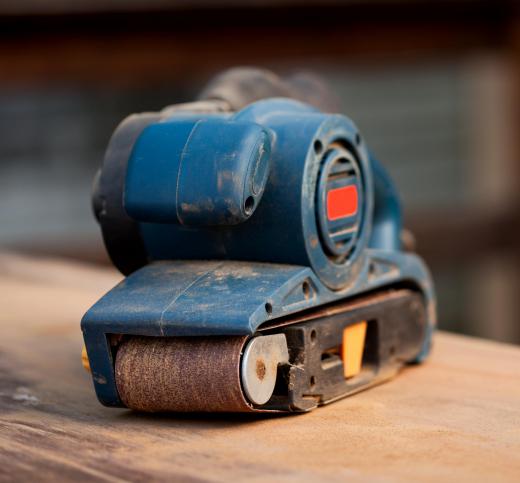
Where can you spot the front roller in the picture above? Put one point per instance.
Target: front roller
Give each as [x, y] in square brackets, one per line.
[198, 373]
[301, 363]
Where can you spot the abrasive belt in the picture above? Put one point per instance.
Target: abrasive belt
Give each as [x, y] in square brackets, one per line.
[181, 374]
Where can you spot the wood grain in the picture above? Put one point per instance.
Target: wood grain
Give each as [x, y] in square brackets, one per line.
[455, 418]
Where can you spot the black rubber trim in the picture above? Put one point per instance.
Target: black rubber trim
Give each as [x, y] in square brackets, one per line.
[396, 329]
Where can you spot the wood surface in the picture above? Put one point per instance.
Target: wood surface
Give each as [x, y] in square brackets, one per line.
[455, 418]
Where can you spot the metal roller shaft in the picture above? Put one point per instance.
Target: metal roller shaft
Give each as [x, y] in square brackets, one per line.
[181, 374]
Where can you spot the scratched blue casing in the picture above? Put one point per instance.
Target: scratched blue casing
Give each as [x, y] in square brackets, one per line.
[242, 221]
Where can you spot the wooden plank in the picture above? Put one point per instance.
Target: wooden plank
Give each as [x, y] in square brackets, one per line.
[455, 418]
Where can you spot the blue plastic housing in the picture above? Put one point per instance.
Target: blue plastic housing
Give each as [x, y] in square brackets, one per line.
[207, 278]
[197, 172]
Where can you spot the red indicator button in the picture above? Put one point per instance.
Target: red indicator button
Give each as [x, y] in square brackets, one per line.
[342, 202]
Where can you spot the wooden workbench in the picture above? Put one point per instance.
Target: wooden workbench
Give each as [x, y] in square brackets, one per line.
[456, 418]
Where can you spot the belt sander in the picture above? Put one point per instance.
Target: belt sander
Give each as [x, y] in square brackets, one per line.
[262, 248]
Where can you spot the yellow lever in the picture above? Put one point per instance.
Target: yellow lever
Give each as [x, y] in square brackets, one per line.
[84, 359]
[352, 348]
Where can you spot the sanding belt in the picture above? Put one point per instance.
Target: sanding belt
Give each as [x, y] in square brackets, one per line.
[181, 374]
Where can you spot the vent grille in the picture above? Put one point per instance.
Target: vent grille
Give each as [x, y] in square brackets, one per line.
[339, 202]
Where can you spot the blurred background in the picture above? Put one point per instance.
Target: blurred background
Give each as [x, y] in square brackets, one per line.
[434, 86]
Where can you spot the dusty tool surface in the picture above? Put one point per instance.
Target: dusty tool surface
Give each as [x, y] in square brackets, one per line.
[454, 418]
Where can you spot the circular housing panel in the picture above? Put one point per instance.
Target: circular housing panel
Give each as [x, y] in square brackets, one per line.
[339, 202]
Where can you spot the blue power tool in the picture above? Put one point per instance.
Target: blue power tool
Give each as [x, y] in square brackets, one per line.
[262, 246]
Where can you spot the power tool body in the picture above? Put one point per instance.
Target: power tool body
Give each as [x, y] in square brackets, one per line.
[262, 247]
